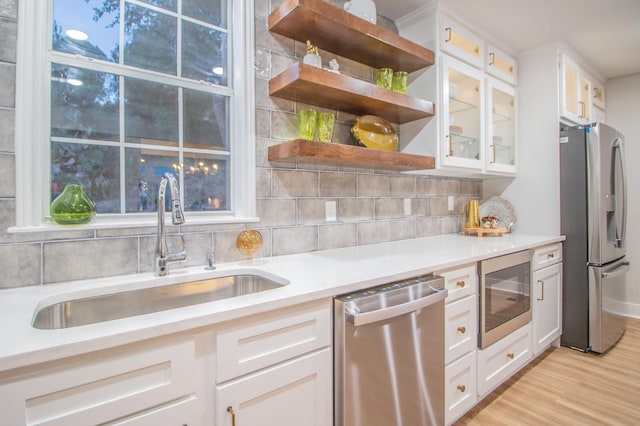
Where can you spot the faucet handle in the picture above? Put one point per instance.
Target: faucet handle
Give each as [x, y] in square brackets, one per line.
[211, 258]
[177, 216]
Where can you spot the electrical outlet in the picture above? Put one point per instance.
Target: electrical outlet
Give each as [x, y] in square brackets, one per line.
[407, 206]
[330, 211]
[450, 202]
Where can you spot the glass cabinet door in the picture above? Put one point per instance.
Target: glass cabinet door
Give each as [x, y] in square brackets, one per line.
[462, 113]
[501, 155]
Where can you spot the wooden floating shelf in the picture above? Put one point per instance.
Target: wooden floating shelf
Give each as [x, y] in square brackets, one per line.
[316, 86]
[310, 152]
[335, 30]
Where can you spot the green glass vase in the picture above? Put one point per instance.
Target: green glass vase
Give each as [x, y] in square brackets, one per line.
[73, 206]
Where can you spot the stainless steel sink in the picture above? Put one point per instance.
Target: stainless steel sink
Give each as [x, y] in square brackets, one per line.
[95, 309]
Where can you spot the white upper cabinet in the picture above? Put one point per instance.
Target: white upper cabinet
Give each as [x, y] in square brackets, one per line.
[475, 132]
[500, 65]
[576, 92]
[461, 43]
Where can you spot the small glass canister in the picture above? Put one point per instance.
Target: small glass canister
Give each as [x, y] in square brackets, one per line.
[307, 123]
[326, 121]
[399, 83]
[384, 77]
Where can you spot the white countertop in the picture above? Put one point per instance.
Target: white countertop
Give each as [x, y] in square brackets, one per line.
[311, 276]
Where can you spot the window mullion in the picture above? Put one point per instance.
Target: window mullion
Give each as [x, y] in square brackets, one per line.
[121, 116]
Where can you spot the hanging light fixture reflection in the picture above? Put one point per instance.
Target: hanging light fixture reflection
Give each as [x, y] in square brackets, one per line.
[76, 34]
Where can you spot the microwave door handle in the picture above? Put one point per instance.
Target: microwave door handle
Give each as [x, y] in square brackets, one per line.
[621, 219]
[396, 310]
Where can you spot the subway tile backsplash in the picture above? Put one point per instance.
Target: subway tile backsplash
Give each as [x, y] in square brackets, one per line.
[291, 198]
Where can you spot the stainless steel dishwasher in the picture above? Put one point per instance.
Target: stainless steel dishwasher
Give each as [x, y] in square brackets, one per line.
[389, 354]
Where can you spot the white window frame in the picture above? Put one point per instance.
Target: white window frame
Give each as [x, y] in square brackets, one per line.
[32, 132]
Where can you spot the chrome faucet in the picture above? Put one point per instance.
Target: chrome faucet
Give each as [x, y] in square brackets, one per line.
[163, 257]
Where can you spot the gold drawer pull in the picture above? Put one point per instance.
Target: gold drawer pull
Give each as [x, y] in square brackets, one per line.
[462, 330]
[511, 355]
[550, 256]
[233, 415]
[460, 284]
[462, 388]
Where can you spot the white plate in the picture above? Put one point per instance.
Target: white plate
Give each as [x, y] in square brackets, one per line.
[501, 209]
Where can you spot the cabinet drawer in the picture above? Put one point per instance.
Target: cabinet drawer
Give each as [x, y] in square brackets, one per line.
[547, 255]
[101, 390]
[184, 412]
[460, 281]
[460, 387]
[263, 340]
[500, 360]
[461, 327]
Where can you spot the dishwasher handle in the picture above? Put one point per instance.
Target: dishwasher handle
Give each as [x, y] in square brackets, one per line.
[396, 310]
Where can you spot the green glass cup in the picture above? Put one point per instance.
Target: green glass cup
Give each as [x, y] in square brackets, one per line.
[399, 83]
[307, 123]
[326, 121]
[384, 77]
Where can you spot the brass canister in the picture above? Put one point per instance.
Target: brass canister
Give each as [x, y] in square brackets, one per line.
[471, 215]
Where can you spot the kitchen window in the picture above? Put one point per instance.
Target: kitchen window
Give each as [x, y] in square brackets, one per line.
[112, 94]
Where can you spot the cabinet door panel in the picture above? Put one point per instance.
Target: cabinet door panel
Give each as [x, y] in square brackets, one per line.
[501, 127]
[461, 43]
[547, 306]
[294, 393]
[462, 115]
[575, 92]
[501, 65]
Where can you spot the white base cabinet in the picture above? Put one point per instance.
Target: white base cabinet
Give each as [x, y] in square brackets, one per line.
[547, 296]
[461, 340]
[276, 368]
[293, 393]
[272, 367]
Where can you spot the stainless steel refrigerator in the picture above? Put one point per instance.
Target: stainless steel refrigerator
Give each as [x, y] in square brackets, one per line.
[593, 218]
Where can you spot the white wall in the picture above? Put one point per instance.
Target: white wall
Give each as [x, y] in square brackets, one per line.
[535, 192]
[623, 113]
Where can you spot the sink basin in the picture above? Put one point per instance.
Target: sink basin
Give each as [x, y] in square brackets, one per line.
[110, 306]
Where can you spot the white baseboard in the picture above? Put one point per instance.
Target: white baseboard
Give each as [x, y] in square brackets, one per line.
[625, 308]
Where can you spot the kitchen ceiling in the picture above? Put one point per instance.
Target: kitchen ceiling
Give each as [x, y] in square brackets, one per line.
[606, 33]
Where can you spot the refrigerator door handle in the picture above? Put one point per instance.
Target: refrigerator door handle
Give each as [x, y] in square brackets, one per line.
[618, 146]
[622, 268]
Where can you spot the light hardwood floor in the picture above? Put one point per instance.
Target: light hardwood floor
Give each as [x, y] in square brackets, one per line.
[567, 387]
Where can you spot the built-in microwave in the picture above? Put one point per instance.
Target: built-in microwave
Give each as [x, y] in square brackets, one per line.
[505, 296]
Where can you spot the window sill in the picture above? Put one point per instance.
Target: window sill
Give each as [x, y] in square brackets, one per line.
[147, 220]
